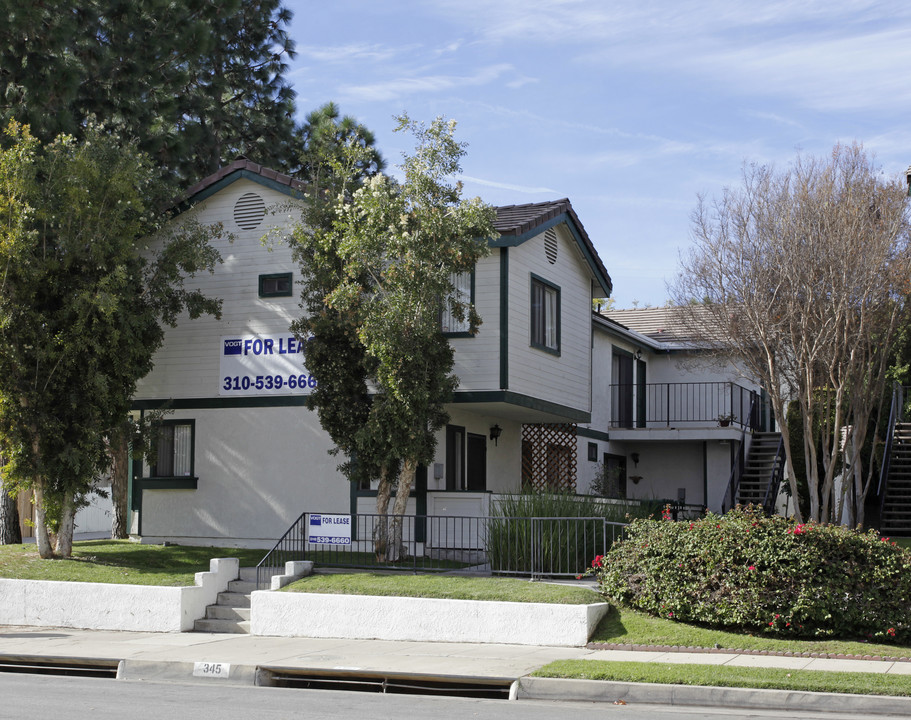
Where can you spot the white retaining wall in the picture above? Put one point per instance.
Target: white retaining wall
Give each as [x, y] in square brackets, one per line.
[290, 614]
[100, 606]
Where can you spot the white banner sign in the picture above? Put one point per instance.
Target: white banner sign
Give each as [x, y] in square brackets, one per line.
[330, 529]
[263, 365]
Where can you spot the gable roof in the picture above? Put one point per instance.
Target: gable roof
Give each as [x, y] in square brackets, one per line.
[238, 170]
[515, 223]
[518, 223]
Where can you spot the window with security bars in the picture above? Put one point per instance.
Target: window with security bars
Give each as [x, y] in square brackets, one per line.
[462, 284]
[545, 315]
[174, 449]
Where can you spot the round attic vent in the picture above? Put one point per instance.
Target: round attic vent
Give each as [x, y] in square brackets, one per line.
[249, 211]
[550, 245]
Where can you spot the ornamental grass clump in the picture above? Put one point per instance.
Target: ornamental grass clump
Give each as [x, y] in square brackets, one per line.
[749, 572]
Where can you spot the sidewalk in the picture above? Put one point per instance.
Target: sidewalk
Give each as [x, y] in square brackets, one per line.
[173, 657]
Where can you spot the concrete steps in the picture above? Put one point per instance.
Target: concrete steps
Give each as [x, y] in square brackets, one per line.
[231, 612]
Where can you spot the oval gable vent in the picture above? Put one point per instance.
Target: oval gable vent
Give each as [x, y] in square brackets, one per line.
[249, 211]
[550, 245]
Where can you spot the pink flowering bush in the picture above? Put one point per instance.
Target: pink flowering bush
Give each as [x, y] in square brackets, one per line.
[746, 571]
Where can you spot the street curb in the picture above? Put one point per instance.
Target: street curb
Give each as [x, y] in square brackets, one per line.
[183, 672]
[557, 689]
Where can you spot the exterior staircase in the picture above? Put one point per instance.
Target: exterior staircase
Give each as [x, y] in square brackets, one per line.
[231, 613]
[896, 512]
[759, 469]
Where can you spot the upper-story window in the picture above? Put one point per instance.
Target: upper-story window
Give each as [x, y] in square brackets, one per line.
[545, 315]
[275, 285]
[463, 293]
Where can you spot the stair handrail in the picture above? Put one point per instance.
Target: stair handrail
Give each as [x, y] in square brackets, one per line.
[895, 415]
[734, 480]
[771, 491]
[737, 467]
[291, 532]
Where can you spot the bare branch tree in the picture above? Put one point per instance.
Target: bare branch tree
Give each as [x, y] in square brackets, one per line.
[801, 275]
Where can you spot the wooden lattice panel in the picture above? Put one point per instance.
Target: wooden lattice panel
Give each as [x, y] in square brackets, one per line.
[549, 456]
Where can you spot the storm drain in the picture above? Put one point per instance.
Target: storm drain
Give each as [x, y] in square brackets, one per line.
[56, 666]
[486, 688]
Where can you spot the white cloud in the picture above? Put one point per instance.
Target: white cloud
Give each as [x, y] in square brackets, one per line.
[404, 86]
[508, 186]
[355, 52]
[823, 54]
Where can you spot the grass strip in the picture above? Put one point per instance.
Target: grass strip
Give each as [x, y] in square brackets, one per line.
[727, 676]
[439, 586]
[629, 627]
[118, 561]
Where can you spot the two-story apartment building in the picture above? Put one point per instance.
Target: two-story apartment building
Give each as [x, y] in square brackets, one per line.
[549, 391]
[240, 456]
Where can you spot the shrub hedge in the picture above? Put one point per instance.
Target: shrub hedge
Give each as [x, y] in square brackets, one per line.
[746, 571]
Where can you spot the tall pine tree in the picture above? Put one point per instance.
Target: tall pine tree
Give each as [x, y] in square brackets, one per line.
[197, 83]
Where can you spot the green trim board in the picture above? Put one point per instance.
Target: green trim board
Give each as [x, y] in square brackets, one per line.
[218, 403]
[504, 318]
[484, 396]
[593, 434]
[513, 398]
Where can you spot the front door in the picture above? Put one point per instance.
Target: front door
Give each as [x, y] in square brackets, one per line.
[477, 463]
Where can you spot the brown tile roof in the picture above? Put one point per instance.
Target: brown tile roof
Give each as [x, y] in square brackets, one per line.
[520, 219]
[663, 324]
[514, 221]
[238, 165]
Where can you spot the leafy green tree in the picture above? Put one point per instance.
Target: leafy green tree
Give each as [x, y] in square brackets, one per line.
[82, 308]
[198, 82]
[396, 247]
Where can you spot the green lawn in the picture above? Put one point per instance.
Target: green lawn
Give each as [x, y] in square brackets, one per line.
[445, 586]
[629, 627]
[118, 561]
[725, 676]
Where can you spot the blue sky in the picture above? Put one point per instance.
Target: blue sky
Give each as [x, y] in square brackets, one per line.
[630, 109]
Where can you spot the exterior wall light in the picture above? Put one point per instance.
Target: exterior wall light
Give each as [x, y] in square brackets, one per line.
[495, 433]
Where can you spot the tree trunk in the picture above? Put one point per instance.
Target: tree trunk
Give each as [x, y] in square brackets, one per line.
[10, 532]
[120, 466]
[406, 481]
[381, 528]
[43, 540]
[67, 526]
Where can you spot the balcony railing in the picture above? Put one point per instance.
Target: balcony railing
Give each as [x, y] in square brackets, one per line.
[680, 405]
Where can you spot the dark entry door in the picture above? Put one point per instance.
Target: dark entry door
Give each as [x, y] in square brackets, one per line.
[477, 463]
[622, 390]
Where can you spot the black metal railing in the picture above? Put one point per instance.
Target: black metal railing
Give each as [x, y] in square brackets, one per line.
[682, 404]
[730, 495]
[771, 492]
[290, 546]
[896, 415]
[532, 546]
